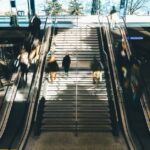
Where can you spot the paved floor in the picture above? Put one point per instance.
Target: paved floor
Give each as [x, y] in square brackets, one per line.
[68, 141]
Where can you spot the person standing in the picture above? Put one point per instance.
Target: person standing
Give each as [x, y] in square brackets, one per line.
[24, 63]
[52, 68]
[66, 63]
[35, 26]
[113, 16]
[96, 67]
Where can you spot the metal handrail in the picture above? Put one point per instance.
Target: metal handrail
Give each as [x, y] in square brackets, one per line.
[110, 78]
[124, 35]
[76, 100]
[8, 101]
[51, 37]
[122, 109]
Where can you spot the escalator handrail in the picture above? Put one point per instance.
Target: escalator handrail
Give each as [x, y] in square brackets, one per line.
[113, 99]
[8, 103]
[3, 100]
[124, 35]
[119, 91]
[144, 102]
[52, 37]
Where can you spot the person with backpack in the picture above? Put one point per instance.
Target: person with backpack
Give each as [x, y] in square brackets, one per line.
[52, 68]
[96, 67]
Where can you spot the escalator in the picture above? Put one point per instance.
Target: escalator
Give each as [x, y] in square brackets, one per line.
[20, 100]
[135, 111]
[11, 41]
[17, 117]
[74, 103]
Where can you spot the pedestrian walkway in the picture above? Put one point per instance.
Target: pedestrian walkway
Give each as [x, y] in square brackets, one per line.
[68, 141]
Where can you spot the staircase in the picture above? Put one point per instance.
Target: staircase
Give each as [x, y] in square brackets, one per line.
[74, 103]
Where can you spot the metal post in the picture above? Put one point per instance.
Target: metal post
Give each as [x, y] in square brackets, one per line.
[29, 12]
[32, 7]
[76, 117]
[125, 11]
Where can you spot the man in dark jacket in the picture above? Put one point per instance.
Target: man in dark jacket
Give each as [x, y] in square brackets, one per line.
[35, 26]
[96, 67]
[66, 63]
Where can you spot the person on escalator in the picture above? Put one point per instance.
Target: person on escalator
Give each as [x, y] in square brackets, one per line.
[24, 64]
[113, 16]
[52, 68]
[34, 54]
[123, 64]
[35, 26]
[66, 63]
[136, 82]
[96, 67]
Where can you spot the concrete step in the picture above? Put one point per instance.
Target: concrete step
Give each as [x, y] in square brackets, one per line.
[80, 98]
[93, 128]
[80, 47]
[77, 52]
[87, 101]
[84, 30]
[77, 28]
[86, 109]
[64, 41]
[72, 122]
[76, 39]
[81, 44]
[77, 55]
[82, 58]
[72, 114]
[74, 49]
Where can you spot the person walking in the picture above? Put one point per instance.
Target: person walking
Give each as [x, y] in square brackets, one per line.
[66, 63]
[52, 68]
[96, 67]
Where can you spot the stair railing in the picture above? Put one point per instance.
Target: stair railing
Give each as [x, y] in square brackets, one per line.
[112, 102]
[76, 98]
[119, 94]
[41, 101]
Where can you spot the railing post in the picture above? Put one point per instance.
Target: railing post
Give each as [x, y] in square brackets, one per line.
[76, 113]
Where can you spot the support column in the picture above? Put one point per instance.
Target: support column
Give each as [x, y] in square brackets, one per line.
[13, 17]
[123, 7]
[32, 7]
